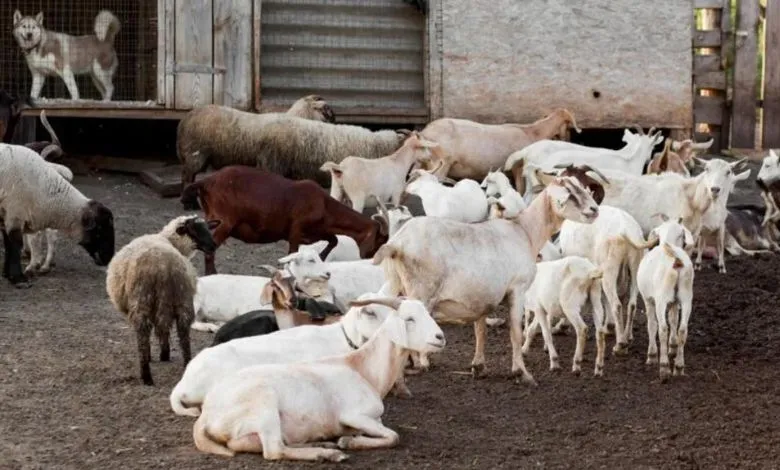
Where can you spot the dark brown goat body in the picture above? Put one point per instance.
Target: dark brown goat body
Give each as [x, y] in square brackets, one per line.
[257, 206]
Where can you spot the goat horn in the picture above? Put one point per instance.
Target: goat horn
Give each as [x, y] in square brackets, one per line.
[392, 302]
[269, 268]
[563, 165]
[639, 130]
[738, 162]
[53, 150]
[652, 129]
[446, 179]
[595, 170]
[441, 164]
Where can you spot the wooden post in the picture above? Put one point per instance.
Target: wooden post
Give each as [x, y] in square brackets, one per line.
[725, 44]
[257, 6]
[771, 128]
[744, 108]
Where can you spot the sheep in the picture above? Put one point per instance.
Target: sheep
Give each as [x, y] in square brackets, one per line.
[470, 149]
[562, 288]
[152, 282]
[465, 201]
[629, 159]
[290, 146]
[302, 343]
[34, 197]
[282, 409]
[220, 298]
[613, 242]
[665, 279]
[256, 206]
[313, 108]
[713, 224]
[383, 178]
[462, 271]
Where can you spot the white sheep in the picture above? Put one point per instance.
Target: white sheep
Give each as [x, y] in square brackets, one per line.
[562, 288]
[284, 411]
[713, 224]
[302, 343]
[152, 282]
[665, 279]
[465, 201]
[34, 197]
[383, 178]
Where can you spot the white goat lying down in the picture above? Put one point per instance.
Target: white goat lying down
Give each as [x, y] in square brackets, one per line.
[465, 201]
[302, 343]
[463, 271]
[665, 280]
[562, 288]
[285, 411]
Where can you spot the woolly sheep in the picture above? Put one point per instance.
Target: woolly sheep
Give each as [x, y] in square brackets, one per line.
[34, 197]
[152, 282]
[287, 145]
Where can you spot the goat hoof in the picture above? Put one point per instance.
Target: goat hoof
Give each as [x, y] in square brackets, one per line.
[576, 371]
[722, 270]
[494, 321]
[620, 349]
[44, 270]
[148, 381]
[412, 371]
[332, 455]
[651, 359]
[679, 371]
[478, 370]
[598, 372]
[527, 379]
[555, 366]
[665, 373]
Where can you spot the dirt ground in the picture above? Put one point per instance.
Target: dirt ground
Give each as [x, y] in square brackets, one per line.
[70, 397]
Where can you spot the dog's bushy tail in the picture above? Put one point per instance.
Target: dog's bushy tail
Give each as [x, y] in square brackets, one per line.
[106, 26]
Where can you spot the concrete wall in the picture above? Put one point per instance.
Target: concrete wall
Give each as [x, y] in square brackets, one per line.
[513, 61]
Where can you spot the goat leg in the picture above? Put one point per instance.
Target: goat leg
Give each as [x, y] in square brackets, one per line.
[13, 255]
[221, 233]
[332, 242]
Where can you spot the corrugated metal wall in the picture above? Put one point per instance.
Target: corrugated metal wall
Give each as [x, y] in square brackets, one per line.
[355, 53]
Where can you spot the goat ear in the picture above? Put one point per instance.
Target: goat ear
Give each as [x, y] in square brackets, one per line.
[742, 176]
[266, 295]
[395, 327]
[287, 259]
[543, 177]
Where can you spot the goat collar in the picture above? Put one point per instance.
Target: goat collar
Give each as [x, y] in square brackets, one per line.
[346, 336]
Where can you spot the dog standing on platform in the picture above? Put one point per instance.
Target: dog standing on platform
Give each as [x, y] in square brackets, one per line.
[52, 53]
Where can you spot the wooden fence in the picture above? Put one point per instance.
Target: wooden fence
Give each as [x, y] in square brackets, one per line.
[736, 68]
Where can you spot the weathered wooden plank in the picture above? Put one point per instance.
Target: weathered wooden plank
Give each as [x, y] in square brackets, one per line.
[744, 101]
[707, 38]
[707, 4]
[256, 49]
[170, 47]
[708, 109]
[140, 48]
[233, 51]
[710, 80]
[706, 63]
[725, 51]
[771, 124]
[160, 51]
[193, 45]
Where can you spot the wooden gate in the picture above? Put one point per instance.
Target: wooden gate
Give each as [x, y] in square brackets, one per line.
[205, 50]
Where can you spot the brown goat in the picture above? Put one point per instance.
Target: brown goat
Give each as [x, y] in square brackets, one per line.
[671, 161]
[257, 206]
[291, 310]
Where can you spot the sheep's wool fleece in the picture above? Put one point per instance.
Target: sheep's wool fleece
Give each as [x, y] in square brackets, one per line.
[149, 275]
[33, 194]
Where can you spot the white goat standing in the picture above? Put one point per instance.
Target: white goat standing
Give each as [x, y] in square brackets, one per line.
[384, 178]
[713, 222]
[562, 288]
[665, 280]
[286, 410]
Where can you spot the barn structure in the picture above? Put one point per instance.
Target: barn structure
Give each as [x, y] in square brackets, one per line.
[613, 62]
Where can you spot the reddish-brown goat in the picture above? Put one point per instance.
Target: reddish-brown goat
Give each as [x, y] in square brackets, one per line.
[256, 206]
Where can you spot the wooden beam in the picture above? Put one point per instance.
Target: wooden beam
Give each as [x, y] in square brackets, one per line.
[706, 38]
[744, 107]
[170, 47]
[708, 109]
[161, 51]
[707, 4]
[706, 63]
[256, 45]
[710, 80]
[771, 124]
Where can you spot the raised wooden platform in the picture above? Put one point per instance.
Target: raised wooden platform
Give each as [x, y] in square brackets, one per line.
[166, 181]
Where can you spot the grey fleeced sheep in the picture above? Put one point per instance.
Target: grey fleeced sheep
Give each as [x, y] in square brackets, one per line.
[290, 146]
[152, 282]
[34, 197]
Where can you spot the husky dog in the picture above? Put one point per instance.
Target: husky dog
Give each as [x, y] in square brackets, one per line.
[53, 53]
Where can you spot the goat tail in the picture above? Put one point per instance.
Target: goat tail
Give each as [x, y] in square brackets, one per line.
[54, 139]
[679, 262]
[333, 168]
[106, 26]
[597, 273]
[190, 196]
[385, 252]
[178, 405]
[205, 442]
[636, 244]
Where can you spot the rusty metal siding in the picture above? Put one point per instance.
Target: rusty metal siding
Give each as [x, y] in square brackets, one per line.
[356, 54]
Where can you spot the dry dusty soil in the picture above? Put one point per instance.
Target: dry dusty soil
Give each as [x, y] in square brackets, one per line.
[70, 397]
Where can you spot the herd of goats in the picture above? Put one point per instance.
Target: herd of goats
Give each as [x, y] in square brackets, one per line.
[302, 360]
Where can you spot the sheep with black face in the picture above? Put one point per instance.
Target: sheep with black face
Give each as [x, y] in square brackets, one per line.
[152, 281]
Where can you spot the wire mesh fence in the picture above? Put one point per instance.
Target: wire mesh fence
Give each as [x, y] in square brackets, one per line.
[134, 77]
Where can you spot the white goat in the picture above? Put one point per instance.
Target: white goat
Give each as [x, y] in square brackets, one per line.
[286, 410]
[630, 159]
[384, 178]
[767, 179]
[562, 288]
[713, 222]
[463, 271]
[465, 201]
[496, 183]
[665, 280]
[302, 343]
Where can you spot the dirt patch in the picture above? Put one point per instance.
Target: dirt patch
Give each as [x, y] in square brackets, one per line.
[71, 398]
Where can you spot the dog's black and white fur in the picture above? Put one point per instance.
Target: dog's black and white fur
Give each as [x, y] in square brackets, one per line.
[52, 53]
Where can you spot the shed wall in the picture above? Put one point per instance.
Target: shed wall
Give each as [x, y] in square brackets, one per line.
[510, 61]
